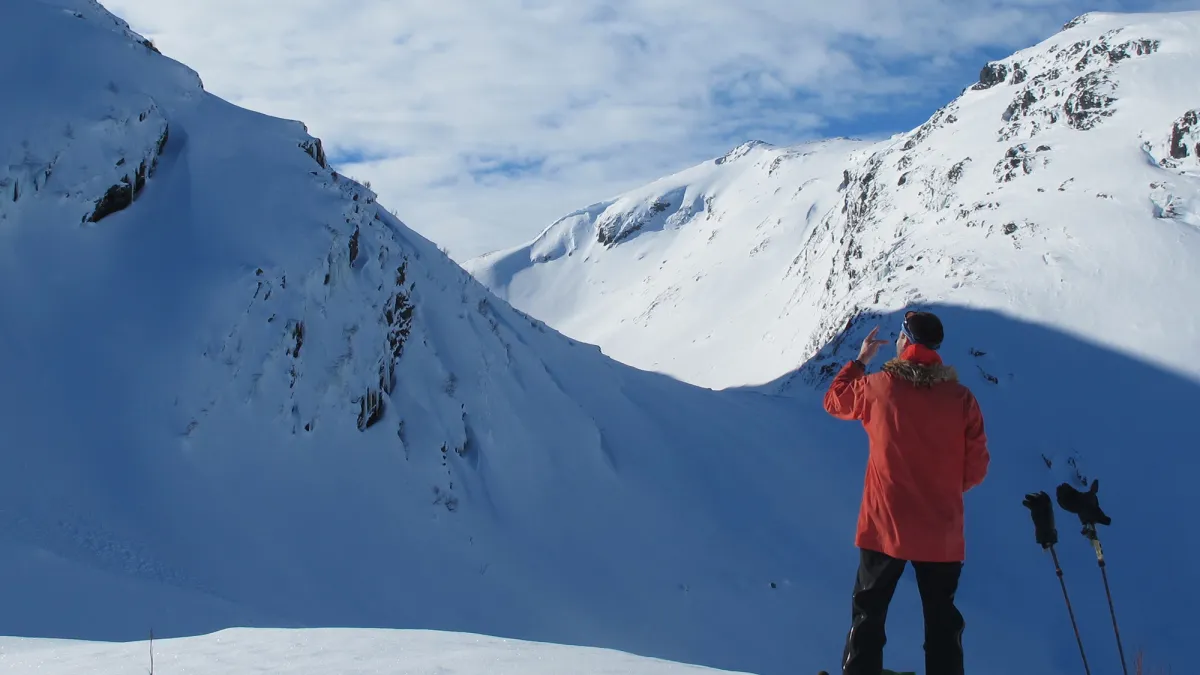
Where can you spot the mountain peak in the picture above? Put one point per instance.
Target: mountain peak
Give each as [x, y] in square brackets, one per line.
[1092, 125]
[741, 151]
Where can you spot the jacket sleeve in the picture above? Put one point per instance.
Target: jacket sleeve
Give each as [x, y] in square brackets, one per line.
[977, 457]
[844, 399]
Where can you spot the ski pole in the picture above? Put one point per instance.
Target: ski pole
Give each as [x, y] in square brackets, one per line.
[1046, 534]
[1086, 505]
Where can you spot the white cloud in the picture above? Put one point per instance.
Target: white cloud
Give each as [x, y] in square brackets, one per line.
[442, 99]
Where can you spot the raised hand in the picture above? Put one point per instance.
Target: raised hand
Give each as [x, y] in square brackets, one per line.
[870, 347]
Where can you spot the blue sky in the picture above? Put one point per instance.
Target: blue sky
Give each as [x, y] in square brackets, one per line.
[481, 123]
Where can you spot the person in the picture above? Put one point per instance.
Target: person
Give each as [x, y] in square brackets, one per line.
[927, 448]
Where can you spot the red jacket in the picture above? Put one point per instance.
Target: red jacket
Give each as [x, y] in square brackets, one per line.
[927, 448]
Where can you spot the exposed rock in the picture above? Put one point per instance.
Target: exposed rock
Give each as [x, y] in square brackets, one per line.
[1021, 104]
[298, 338]
[370, 409]
[1018, 160]
[1077, 21]
[1185, 127]
[1090, 101]
[991, 75]
[117, 198]
[162, 143]
[926, 129]
[354, 246]
[397, 316]
[845, 180]
[1133, 48]
[316, 150]
[956, 172]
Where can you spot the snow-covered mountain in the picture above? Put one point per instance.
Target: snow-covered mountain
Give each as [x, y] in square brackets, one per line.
[236, 391]
[1051, 214]
[1062, 188]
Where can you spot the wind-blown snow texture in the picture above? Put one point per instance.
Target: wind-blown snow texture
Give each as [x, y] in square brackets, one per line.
[236, 391]
[1051, 213]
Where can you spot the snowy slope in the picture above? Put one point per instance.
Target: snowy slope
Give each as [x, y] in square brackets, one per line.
[1062, 189]
[323, 651]
[1050, 214]
[235, 391]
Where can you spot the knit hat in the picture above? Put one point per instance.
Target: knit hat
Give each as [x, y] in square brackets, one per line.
[924, 328]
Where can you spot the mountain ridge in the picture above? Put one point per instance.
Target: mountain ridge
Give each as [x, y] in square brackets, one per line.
[1009, 155]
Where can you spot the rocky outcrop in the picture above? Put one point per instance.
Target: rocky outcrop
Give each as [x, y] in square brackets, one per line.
[313, 148]
[121, 195]
[1090, 101]
[991, 75]
[1075, 87]
[622, 221]
[1019, 161]
[1184, 139]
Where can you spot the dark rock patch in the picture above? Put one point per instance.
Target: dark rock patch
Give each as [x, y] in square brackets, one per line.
[991, 75]
[1077, 21]
[956, 172]
[1185, 126]
[1018, 160]
[116, 198]
[316, 150]
[1090, 101]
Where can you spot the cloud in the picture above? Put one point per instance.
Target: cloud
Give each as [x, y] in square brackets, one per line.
[482, 122]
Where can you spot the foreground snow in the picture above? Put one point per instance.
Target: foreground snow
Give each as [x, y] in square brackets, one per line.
[326, 651]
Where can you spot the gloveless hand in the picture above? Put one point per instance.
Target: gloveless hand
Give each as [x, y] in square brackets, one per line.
[870, 347]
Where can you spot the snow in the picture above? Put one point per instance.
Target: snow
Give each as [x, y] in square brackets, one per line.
[1005, 200]
[327, 650]
[189, 384]
[246, 395]
[1055, 232]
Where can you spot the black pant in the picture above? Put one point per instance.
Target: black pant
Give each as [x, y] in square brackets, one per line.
[878, 575]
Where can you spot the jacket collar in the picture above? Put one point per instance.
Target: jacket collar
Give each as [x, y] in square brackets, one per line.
[921, 374]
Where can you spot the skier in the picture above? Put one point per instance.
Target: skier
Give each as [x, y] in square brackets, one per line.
[927, 448]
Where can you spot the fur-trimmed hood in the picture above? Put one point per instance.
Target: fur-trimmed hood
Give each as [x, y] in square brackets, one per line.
[921, 375]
